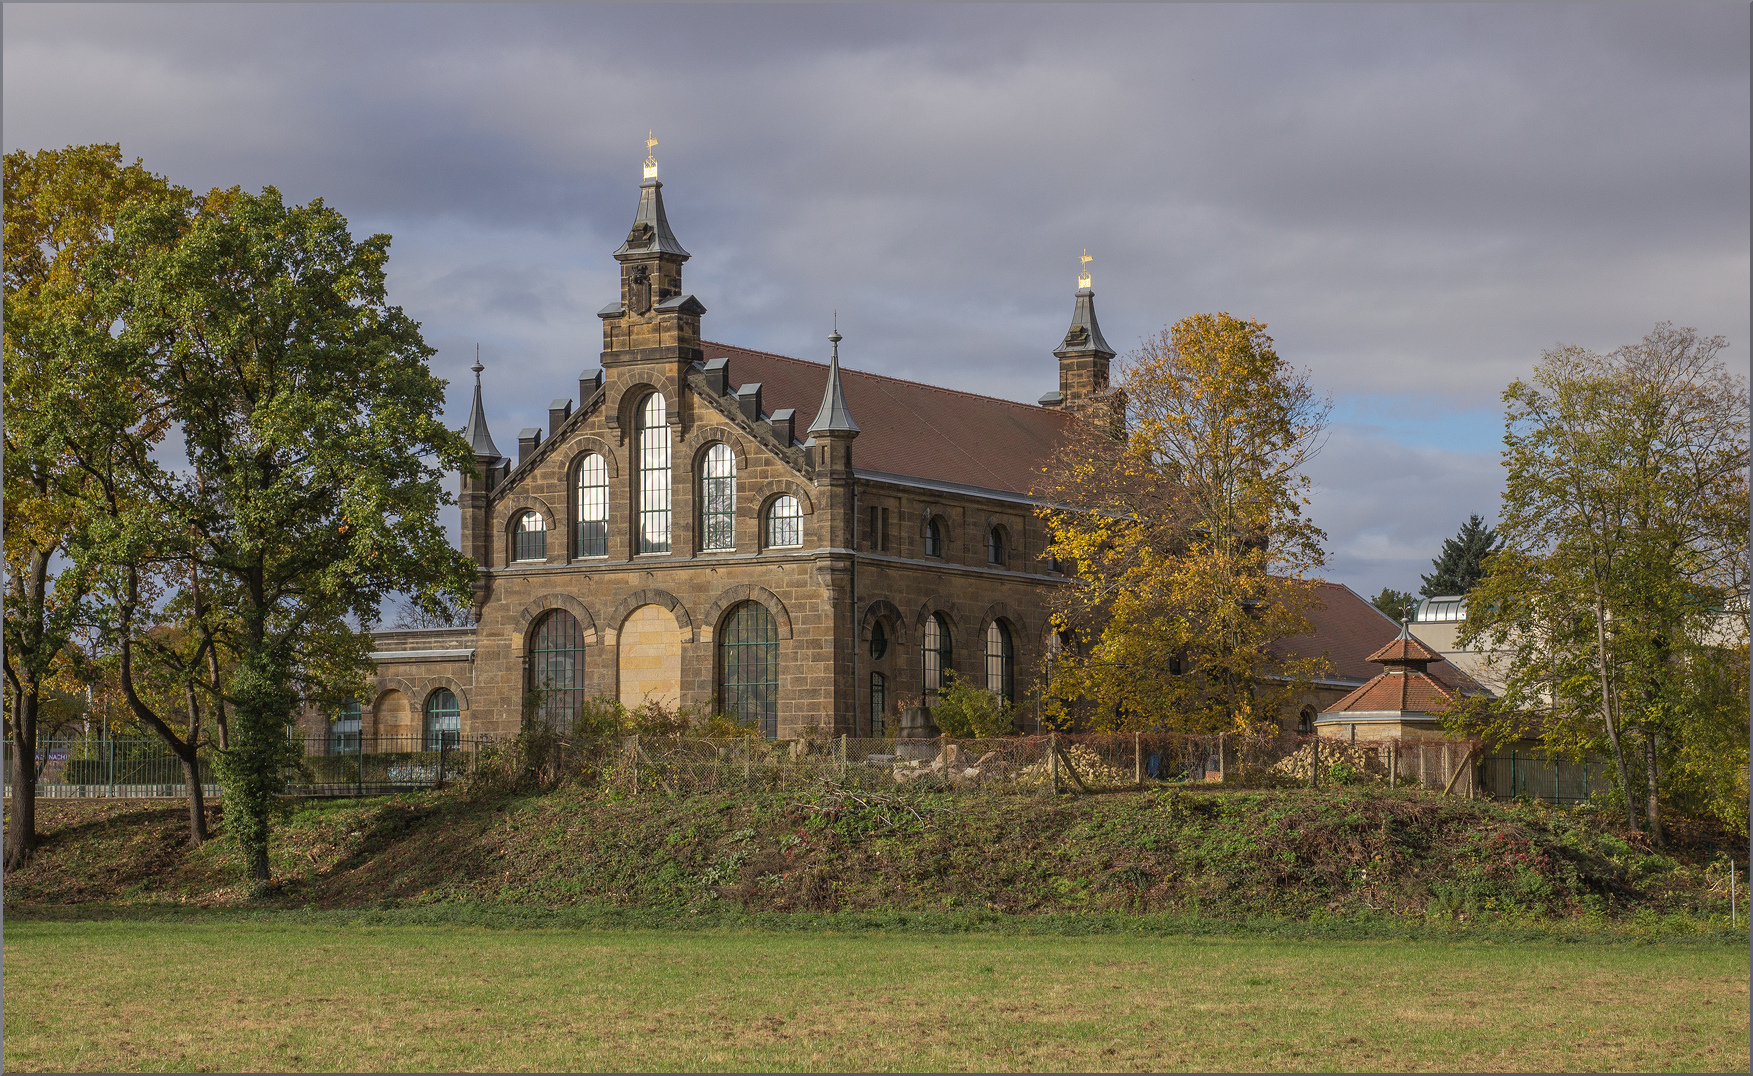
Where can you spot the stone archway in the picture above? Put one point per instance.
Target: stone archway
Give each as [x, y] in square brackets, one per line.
[649, 657]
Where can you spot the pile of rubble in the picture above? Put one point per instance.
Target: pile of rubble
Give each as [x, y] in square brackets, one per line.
[950, 765]
[1363, 759]
[1089, 767]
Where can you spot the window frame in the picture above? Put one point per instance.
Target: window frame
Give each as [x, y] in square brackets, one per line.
[342, 739]
[543, 659]
[436, 738]
[794, 520]
[879, 704]
[523, 543]
[718, 499]
[588, 542]
[935, 660]
[1005, 670]
[996, 538]
[752, 640]
[653, 477]
[934, 540]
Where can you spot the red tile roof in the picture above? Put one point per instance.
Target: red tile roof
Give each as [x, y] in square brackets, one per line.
[919, 431]
[1352, 632]
[1397, 692]
[1404, 649]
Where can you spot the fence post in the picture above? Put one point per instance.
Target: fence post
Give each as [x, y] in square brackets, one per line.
[110, 749]
[636, 763]
[843, 756]
[1053, 760]
[1222, 768]
[359, 764]
[443, 749]
[1734, 905]
[1393, 763]
[1137, 762]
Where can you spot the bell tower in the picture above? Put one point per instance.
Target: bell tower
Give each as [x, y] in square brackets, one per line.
[1083, 364]
[653, 333]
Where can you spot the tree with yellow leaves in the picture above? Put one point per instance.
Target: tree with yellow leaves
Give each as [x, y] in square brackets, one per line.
[1189, 545]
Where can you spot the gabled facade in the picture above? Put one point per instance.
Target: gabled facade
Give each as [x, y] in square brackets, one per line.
[803, 545]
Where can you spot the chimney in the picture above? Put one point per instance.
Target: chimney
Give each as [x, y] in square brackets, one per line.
[749, 399]
[718, 374]
[558, 412]
[588, 383]
[527, 442]
[784, 422]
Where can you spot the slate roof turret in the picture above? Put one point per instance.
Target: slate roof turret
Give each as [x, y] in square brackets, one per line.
[834, 416]
[475, 433]
[651, 233]
[1085, 335]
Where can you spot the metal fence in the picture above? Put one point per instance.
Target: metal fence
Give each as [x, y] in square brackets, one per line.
[374, 765]
[144, 767]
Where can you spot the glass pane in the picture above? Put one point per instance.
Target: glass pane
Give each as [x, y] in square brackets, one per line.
[592, 535]
[654, 476]
[785, 523]
[556, 669]
[443, 719]
[718, 494]
[748, 662]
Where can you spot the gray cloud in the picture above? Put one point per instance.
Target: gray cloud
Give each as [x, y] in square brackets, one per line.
[1418, 199]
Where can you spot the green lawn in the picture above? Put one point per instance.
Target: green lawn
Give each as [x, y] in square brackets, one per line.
[248, 995]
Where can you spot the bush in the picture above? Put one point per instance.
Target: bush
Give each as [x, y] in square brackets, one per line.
[966, 711]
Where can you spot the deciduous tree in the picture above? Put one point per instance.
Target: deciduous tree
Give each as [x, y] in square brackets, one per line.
[1188, 537]
[311, 459]
[1620, 598]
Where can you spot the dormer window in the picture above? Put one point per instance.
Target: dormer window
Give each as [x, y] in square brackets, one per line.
[530, 540]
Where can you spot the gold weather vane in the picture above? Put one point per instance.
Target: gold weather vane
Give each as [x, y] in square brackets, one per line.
[650, 161]
[1083, 270]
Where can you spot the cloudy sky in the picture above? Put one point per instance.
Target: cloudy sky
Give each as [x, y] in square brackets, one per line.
[1417, 199]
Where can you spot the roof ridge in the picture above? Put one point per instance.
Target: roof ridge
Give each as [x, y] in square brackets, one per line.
[886, 377]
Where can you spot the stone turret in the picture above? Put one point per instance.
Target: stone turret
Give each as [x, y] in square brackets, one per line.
[1084, 358]
[653, 333]
[476, 491]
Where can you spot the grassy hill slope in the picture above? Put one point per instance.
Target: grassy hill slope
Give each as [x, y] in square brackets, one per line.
[1224, 854]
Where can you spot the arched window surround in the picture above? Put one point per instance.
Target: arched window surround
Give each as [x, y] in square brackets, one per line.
[529, 537]
[555, 667]
[590, 506]
[718, 499]
[783, 523]
[997, 545]
[441, 718]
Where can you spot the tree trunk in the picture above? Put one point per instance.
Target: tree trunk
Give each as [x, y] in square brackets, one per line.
[197, 807]
[21, 829]
[1607, 707]
[1652, 812]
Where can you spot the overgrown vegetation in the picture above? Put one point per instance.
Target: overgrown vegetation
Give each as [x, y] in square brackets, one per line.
[1226, 855]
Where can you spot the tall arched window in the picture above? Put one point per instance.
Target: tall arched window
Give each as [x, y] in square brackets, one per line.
[344, 731]
[933, 538]
[1306, 721]
[879, 703]
[784, 523]
[748, 667]
[443, 719]
[879, 641]
[1000, 662]
[718, 499]
[531, 537]
[556, 669]
[654, 475]
[995, 546]
[591, 507]
[938, 654]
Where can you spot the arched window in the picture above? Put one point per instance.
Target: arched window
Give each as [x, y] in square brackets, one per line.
[443, 719]
[591, 501]
[879, 641]
[937, 653]
[995, 546]
[748, 667]
[654, 475]
[556, 670]
[531, 537]
[1306, 721]
[344, 730]
[718, 499]
[933, 538]
[879, 703]
[784, 523]
[1000, 662]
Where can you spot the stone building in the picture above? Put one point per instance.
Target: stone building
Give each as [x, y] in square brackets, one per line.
[800, 544]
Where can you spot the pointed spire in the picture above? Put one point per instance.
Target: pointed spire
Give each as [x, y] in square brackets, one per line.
[475, 433]
[651, 233]
[834, 416]
[1085, 335]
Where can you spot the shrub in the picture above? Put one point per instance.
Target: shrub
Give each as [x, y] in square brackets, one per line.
[965, 711]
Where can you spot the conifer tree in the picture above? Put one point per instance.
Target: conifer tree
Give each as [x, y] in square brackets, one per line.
[1462, 563]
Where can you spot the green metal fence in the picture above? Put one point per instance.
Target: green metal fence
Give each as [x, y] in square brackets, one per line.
[145, 767]
[1520, 773]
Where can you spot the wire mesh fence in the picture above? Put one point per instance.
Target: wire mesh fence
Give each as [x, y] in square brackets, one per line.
[1087, 762]
[145, 766]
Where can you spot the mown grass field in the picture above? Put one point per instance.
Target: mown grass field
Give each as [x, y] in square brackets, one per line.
[250, 995]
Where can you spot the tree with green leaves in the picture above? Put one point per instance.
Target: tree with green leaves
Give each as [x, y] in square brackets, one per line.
[1619, 600]
[61, 208]
[1190, 546]
[308, 471]
[1463, 561]
[1396, 605]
